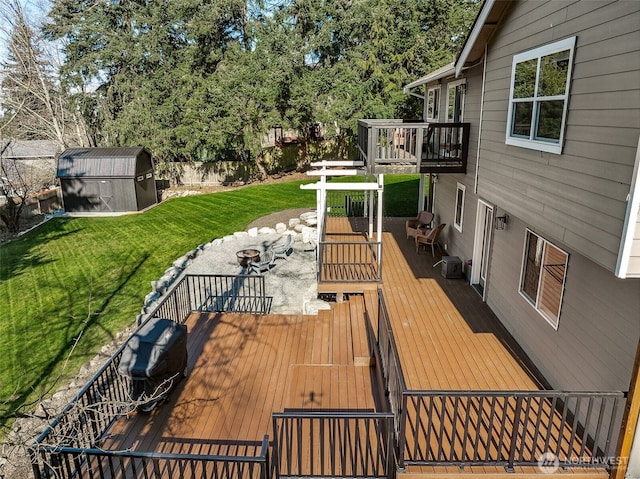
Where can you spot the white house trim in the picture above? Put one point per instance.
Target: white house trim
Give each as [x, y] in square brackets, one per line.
[632, 217]
[473, 36]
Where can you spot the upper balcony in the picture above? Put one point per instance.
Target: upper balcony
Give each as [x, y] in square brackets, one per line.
[398, 146]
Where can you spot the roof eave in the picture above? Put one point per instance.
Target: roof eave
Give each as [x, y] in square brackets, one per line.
[442, 72]
[481, 32]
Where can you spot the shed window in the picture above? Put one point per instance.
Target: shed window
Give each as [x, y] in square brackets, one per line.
[544, 270]
[538, 99]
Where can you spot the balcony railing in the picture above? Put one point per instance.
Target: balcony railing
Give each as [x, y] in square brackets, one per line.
[396, 146]
[333, 444]
[69, 447]
[496, 428]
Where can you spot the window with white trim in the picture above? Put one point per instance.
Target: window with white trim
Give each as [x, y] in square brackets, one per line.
[538, 99]
[544, 269]
[459, 212]
[455, 101]
[433, 104]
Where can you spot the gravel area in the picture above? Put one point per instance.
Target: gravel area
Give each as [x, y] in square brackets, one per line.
[290, 283]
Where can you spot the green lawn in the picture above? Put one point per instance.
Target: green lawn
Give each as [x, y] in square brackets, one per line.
[80, 280]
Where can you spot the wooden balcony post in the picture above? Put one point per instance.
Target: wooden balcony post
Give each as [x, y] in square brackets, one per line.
[372, 154]
[419, 140]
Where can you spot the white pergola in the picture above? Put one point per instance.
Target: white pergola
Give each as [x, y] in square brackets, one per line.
[326, 169]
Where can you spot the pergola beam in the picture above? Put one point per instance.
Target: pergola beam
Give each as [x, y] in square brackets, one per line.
[336, 163]
[325, 172]
[343, 186]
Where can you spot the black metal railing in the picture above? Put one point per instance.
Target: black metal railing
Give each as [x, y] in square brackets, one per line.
[350, 261]
[333, 444]
[495, 428]
[176, 304]
[96, 463]
[85, 420]
[421, 147]
[225, 293]
[349, 203]
[389, 360]
[509, 428]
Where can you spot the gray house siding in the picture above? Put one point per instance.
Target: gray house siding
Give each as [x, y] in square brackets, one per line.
[578, 197]
[576, 200]
[594, 346]
[461, 243]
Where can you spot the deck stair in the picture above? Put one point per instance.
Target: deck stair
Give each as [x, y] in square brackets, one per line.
[346, 324]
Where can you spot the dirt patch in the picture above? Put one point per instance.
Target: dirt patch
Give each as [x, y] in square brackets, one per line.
[25, 224]
[270, 221]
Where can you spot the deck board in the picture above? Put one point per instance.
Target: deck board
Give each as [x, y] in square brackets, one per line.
[448, 339]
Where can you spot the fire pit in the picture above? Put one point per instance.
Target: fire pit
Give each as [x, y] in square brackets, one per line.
[247, 255]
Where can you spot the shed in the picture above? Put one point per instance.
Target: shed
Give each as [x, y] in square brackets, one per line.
[106, 179]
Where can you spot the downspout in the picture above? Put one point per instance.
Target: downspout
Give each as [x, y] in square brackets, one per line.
[484, 78]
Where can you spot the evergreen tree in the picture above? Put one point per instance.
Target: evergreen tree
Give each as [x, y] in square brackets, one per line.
[206, 79]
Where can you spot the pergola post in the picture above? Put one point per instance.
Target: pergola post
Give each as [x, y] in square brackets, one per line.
[380, 209]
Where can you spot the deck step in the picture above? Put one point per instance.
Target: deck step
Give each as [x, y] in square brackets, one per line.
[362, 351]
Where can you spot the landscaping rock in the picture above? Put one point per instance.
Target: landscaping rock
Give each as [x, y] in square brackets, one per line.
[281, 228]
[253, 232]
[309, 215]
[181, 262]
[294, 222]
[151, 297]
[266, 231]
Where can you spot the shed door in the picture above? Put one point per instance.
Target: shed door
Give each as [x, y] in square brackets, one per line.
[106, 195]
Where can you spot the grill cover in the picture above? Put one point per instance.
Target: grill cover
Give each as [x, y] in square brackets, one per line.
[155, 354]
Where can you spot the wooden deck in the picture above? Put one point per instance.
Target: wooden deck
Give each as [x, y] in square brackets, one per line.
[447, 338]
[245, 367]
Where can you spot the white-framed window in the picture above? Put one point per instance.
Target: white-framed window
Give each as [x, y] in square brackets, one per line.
[455, 100]
[433, 104]
[539, 94]
[459, 212]
[544, 270]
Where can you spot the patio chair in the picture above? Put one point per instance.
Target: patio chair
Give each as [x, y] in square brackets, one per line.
[431, 238]
[282, 251]
[420, 224]
[264, 265]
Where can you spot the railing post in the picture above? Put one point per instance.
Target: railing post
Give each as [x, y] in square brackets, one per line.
[403, 429]
[514, 435]
[390, 453]
[372, 153]
[418, 152]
